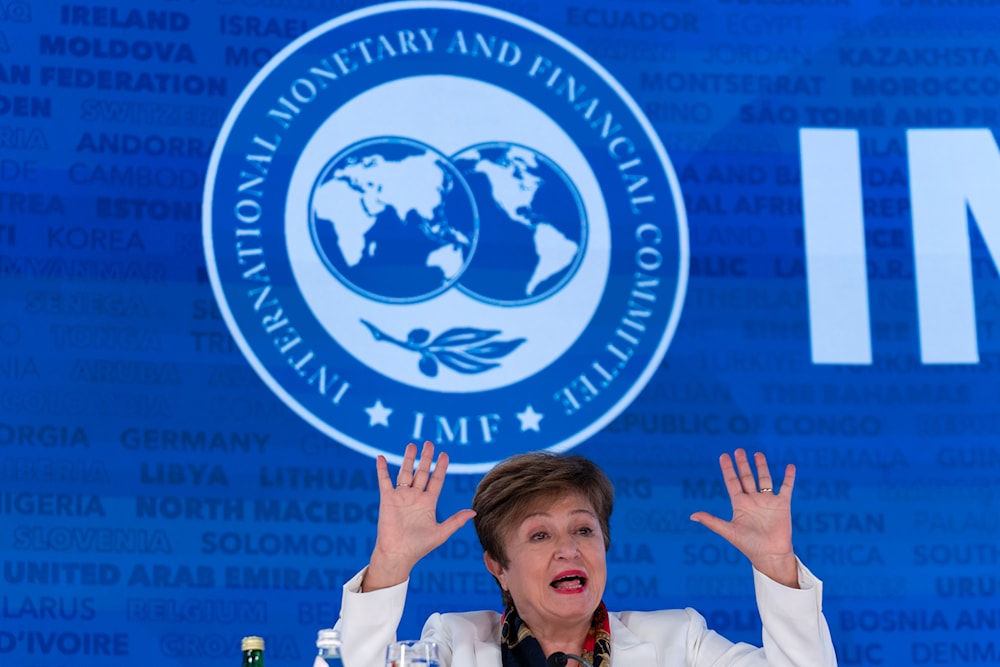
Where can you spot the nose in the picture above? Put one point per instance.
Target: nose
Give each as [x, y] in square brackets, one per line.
[566, 547]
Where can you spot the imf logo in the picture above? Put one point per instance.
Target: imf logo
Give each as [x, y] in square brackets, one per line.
[435, 220]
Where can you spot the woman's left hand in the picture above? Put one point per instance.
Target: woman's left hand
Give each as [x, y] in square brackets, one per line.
[761, 527]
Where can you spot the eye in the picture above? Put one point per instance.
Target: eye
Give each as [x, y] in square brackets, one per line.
[538, 536]
[586, 531]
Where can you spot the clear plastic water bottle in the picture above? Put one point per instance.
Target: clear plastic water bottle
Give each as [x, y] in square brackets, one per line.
[328, 648]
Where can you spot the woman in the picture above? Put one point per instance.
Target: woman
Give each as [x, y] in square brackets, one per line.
[543, 521]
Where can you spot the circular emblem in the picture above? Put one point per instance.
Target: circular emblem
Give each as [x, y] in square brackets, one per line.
[440, 221]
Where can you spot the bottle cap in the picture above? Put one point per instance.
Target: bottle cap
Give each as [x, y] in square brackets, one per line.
[252, 643]
[328, 637]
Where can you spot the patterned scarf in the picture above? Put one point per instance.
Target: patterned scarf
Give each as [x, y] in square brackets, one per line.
[519, 648]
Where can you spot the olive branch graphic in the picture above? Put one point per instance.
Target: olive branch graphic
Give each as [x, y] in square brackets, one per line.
[463, 349]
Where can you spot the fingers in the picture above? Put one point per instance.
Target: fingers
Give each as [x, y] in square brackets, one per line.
[420, 477]
[713, 523]
[382, 472]
[763, 473]
[788, 483]
[747, 481]
[423, 466]
[405, 476]
[437, 477]
[732, 481]
[740, 479]
[451, 525]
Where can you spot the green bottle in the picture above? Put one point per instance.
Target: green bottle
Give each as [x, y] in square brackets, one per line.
[253, 651]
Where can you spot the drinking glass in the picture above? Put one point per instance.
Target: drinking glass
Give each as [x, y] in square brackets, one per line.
[413, 653]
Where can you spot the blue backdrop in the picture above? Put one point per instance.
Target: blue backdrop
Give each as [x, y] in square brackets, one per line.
[246, 245]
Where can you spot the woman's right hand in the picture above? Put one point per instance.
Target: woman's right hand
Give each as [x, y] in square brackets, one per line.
[408, 528]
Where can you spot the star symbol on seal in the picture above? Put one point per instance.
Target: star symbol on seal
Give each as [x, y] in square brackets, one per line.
[530, 419]
[378, 414]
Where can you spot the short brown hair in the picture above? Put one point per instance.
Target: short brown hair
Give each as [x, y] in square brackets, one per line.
[515, 485]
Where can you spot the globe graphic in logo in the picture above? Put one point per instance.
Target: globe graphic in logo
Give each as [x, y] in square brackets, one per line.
[532, 228]
[393, 220]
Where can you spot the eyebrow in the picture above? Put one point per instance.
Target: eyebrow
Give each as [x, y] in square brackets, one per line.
[546, 514]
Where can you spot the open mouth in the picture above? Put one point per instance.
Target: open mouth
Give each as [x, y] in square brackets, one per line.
[569, 582]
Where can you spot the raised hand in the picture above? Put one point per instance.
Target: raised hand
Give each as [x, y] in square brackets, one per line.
[761, 527]
[408, 528]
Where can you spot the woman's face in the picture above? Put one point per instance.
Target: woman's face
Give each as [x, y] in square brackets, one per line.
[556, 569]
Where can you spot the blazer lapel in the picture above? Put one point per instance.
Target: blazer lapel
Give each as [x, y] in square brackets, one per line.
[487, 653]
[627, 650]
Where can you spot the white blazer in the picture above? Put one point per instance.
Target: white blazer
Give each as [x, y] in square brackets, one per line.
[795, 632]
